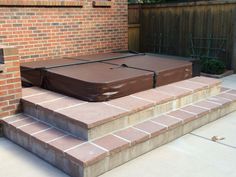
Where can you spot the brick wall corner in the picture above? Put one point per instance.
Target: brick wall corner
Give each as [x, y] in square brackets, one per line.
[10, 81]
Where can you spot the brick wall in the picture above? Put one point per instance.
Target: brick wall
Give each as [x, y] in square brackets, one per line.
[10, 82]
[45, 30]
[54, 28]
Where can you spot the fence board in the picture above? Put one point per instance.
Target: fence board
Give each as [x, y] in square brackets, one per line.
[134, 27]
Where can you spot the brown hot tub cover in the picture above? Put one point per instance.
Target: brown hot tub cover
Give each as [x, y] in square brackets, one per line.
[97, 81]
[106, 76]
[167, 70]
[32, 72]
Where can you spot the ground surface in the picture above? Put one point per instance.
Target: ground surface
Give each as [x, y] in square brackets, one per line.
[193, 155]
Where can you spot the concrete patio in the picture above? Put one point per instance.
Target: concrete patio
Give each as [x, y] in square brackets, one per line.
[191, 155]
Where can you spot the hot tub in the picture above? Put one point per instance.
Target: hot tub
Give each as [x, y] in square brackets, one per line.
[104, 77]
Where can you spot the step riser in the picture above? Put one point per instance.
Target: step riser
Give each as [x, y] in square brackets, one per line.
[35, 146]
[63, 161]
[78, 130]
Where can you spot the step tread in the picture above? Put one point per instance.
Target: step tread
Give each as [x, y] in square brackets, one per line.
[182, 115]
[228, 95]
[154, 96]
[193, 109]
[66, 142]
[205, 80]
[90, 115]
[190, 85]
[132, 135]
[86, 154]
[173, 90]
[131, 103]
[151, 128]
[49, 100]
[167, 121]
[206, 104]
[111, 143]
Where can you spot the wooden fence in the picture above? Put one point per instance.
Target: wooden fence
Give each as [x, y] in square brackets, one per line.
[185, 29]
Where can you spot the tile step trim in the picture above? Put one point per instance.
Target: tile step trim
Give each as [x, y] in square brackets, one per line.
[92, 158]
[192, 90]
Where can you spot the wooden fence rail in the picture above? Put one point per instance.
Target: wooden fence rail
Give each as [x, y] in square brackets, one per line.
[184, 29]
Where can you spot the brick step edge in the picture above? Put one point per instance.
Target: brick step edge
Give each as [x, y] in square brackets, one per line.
[92, 158]
[151, 103]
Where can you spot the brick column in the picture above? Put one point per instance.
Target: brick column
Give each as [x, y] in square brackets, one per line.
[10, 81]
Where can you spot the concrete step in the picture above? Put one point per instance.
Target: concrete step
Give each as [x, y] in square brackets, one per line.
[89, 120]
[80, 158]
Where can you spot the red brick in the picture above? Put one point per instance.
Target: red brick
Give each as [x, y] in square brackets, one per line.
[86, 154]
[168, 121]
[133, 135]
[208, 105]
[43, 33]
[182, 115]
[65, 143]
[206, 80]
[112, 143]
[152, 128]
